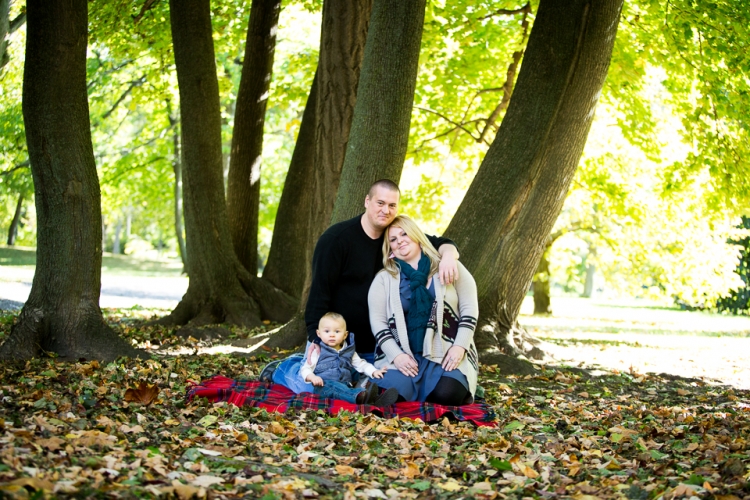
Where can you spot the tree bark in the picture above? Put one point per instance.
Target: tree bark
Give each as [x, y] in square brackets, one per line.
[382, 115]
[177, 168]
[13, 229]
[214, 293]
[540, 286]
[290, 257]
[220, 289]
[243, 183]
[342, 46]
[343, 38]
[62, 313]
[504, 221]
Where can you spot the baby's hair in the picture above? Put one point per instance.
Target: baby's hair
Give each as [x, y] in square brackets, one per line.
[334, 315]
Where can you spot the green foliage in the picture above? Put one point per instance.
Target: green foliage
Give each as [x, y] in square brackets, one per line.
[702, 48]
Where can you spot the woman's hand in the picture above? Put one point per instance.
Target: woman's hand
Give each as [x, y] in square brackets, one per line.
[406, 365]
[453, 358]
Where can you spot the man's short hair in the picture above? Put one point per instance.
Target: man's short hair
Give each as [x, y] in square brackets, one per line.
[384, 183]
[334, 316]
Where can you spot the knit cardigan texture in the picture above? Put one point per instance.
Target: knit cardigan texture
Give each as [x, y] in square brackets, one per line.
[452, 322]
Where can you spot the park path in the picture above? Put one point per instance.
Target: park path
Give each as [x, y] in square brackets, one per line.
[117, 291]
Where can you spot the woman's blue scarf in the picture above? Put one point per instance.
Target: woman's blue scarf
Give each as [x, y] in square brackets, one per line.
[420, 305]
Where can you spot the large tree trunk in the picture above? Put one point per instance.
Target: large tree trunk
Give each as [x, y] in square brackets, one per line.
[220, 289]
[504, 221]
[342, 47]
[13, 229]
[62, 313]
[380, 130]
[290, 257]
[243, 183]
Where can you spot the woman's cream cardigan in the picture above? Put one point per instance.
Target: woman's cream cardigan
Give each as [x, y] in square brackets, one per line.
[389, 326]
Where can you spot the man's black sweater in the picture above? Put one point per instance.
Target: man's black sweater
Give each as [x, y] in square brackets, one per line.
[345, 262]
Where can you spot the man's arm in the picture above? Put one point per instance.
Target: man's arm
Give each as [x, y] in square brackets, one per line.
[448, 268]
[326, 269]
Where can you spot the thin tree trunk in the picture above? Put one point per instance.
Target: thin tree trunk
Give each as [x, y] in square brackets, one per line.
[540, 286]
[7, 27]
[214, 293]
[218, 282]
[243, 183]
[505, 219]
[116, 242]
[290, 257]
[13, 229]
[4, 29]
[588, 286]
[342, 47]
[62, 313]
[380, 129]
[177, 168]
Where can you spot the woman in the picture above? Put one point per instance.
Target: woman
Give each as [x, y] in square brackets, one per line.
[424, 331]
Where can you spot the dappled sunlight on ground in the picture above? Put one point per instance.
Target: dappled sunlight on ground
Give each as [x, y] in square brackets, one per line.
[636, 336]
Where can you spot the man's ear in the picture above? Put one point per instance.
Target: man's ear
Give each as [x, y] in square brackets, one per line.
[367, 200]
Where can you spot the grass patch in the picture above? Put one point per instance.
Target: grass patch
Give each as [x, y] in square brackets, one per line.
[116, 265]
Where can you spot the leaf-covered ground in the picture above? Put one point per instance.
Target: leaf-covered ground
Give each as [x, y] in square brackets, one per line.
[125, 430]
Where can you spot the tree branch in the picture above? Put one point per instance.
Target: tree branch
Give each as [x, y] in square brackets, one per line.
[133, 84]
[147, 5]
[457, 125]
[507, 12]
[510, 75]
[24, 164]
[17, 22]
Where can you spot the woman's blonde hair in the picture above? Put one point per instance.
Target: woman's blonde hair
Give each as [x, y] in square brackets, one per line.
[417, 235]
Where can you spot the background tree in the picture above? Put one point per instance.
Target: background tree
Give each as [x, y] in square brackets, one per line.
[62, 313]
[243, 182]
[385, 96]
[511, 206]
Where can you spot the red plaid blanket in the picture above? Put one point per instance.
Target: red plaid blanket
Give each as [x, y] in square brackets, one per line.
[275, 397]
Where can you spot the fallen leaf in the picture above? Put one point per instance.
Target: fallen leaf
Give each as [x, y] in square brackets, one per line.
[410, 471]
[206, 481]
[450, 485]
[345, 470]
[144, 394]
[34, 483]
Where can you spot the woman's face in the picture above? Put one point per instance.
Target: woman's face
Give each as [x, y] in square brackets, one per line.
[402, 246]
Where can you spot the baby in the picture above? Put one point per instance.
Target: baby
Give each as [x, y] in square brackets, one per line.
[330, 369]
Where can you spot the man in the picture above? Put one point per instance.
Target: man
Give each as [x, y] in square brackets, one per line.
[346, 259]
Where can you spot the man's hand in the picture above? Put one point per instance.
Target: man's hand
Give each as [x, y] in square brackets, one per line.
[315, 380]
[453, 358]
[448, 267]
[378, 373]
[406, 365]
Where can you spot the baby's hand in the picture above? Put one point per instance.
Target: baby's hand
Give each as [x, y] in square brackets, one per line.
[378, 373]
[316, 381]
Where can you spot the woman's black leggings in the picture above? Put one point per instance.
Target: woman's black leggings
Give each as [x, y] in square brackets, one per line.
[448, 392]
